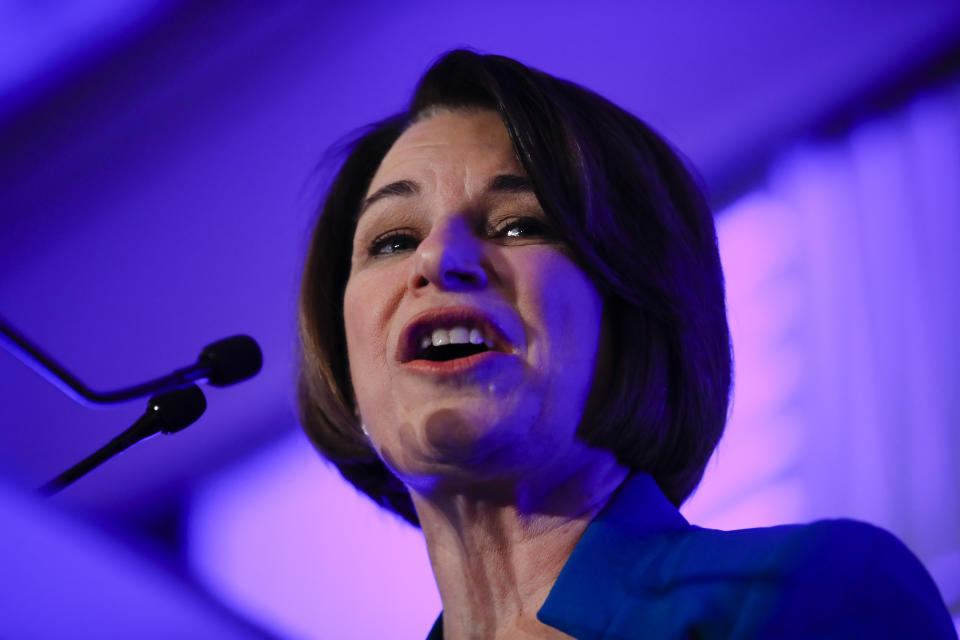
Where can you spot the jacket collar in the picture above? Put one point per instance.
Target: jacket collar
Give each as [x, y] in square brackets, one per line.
[627, 536]
[587, 589]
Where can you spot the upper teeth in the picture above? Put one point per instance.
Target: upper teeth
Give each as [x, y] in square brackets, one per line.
[455, 335]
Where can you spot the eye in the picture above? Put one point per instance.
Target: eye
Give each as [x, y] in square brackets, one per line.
[526, 227]
[393, 242]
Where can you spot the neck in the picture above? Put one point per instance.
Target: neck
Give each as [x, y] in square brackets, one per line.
[497, 549]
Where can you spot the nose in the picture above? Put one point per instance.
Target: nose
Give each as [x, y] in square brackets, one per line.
[450, 258]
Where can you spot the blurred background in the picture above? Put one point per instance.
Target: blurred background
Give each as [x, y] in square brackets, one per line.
[160, 163]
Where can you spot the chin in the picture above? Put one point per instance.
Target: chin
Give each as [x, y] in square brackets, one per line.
[458, 444]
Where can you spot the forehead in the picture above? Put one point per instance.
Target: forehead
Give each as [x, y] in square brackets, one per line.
[450, 141]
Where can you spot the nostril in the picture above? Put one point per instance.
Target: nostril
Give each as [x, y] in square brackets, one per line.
[461, 277]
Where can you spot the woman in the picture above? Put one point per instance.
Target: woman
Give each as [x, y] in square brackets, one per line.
[514, 336]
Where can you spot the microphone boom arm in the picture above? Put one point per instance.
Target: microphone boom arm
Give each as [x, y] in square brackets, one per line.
[238, 349]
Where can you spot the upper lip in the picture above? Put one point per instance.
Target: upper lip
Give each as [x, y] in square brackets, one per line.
[445, 318]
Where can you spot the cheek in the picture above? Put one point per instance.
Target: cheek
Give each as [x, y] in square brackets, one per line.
[579, 314]
[363, 337]
[352, 319]
[569, 310]
[369, 303]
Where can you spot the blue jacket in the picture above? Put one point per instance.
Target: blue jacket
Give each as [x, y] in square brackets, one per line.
[641, 571]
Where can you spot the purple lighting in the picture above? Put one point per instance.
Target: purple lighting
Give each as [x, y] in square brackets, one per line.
[842, 283]
[64, 579]
[158, 171]
[285, 539]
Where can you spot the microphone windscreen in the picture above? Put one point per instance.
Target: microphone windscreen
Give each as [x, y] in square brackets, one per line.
[231, 360]
[177, 409]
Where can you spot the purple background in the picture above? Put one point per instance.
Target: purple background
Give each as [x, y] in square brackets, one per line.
[157, 178]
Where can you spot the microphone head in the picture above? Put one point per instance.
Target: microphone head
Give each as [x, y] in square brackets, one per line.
[231, 360]
[177, 409]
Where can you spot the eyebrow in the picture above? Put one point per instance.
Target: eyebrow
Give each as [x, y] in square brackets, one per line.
[510, 183]
[399, 188]
[503, 183]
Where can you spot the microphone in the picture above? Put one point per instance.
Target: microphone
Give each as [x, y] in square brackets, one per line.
[226, 361]
[166, 413]
[222, 363]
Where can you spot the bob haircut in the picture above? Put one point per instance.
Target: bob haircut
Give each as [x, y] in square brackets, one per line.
[633, 219]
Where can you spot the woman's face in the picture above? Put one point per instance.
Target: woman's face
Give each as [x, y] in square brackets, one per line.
[472, 335]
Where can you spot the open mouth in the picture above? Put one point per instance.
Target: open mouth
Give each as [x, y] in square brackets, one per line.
[442, 345]
[450, 335]
[449, 352]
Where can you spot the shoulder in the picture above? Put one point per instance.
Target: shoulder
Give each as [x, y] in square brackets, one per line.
[822, 546]
[843, 552]
[836, 576]
[829, 579]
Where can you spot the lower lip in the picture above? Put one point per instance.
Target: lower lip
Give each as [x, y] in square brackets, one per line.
[457, 366]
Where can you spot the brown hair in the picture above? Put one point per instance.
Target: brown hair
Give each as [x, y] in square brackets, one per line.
[634, 220]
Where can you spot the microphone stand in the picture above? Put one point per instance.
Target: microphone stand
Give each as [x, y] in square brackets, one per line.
[178, 403]
[167, 412]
